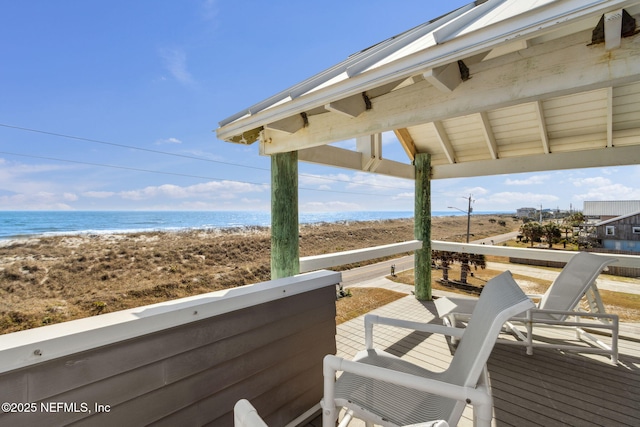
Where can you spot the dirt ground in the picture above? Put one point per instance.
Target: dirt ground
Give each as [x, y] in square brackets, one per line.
[46, 280]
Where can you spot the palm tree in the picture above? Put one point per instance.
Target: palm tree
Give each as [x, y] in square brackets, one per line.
[552, 233]
[532, 231]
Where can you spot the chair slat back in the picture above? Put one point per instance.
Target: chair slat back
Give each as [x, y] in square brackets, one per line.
[572, 283]
[500, 299]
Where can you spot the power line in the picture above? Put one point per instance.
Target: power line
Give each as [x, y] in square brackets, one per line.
[175, 173]
[166, 153]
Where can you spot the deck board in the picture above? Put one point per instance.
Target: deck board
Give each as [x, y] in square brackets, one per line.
[548, 388]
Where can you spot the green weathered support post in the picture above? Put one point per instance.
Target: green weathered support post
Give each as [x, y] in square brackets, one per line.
[422, 227]
[285, 251]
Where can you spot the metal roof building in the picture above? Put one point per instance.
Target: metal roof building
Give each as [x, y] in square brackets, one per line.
[610, 208]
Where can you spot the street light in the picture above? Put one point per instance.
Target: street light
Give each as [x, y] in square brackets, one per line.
[468, 212]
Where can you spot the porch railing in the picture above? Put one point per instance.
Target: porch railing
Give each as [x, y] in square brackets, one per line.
[348, 257]
[181, 362]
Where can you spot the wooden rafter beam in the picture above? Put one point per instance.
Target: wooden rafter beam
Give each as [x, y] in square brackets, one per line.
[290, 125]
[610, 117]
[328, 155]
[370, 146]
[407, 142]
[445, 78]
[492, 145]
[352, 106]
[443, 138]
[616, 156]
[542, 123]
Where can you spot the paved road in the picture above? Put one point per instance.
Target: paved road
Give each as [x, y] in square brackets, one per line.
[496, 239]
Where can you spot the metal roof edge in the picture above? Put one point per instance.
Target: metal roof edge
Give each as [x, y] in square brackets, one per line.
[618, 218]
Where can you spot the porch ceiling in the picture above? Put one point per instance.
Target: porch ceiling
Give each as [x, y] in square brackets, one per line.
[500, 86]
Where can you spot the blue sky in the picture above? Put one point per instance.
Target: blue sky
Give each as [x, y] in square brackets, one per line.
[83, 82]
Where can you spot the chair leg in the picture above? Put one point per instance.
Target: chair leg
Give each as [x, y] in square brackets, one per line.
[346, 419]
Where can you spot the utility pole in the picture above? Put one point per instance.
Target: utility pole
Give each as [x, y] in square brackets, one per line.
[468, 212]
[540, 214]
[469, 209]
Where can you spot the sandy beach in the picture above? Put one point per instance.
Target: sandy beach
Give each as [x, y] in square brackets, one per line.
[46, 280]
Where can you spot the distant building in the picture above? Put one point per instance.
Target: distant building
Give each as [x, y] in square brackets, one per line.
[621, 233]
[604, 210]
[526, 212]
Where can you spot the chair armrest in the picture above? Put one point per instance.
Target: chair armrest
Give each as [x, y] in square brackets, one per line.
[245, 415]
[475, 396]
[372, 319]
[605, 316]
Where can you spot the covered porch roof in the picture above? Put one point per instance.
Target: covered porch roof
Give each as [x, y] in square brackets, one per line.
[494, 87]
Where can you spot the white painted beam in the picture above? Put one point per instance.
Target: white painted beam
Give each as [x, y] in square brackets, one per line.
[352, 106]
[507, 48]
[542, 124]
[488, 134]
[560, 70]
[396, 169]
[441, 133]
[613, 29]
[290, 125]
[616, 156]
[609, 117]
[445, 78]
[328, 155]
[371, 148]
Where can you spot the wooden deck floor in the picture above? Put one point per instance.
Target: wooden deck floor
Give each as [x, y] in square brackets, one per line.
[549, 388]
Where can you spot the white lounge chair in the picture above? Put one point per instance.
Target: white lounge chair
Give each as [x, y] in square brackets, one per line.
[384, 389]
[245, 415]
[556, 308]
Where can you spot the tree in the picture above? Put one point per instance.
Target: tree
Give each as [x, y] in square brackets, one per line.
[532, 231]
[575, 219]
[551, 232]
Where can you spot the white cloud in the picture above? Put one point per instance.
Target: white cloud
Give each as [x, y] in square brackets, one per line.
[593, 182]
[404, 196]
[324, 181]
[175, 61]
[602, 188]
[208, 190]
[384, 183]
[98, 194]
[333, 206]
[476, 191]
[168, 141]
[609, 191]
[508, 199]
[532, 180]
[42, 200]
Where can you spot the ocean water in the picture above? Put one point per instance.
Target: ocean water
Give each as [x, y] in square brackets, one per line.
[15, 224]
